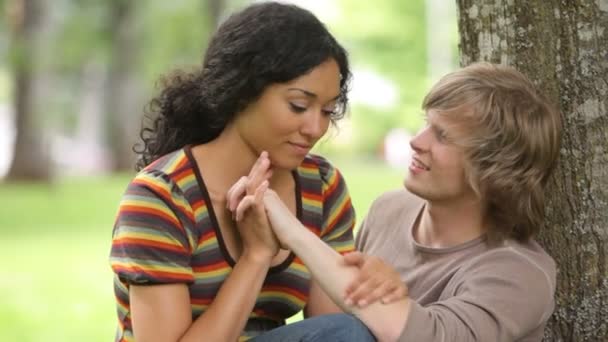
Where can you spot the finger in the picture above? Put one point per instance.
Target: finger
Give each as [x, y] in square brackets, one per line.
[268, 173]
[355, 283]
[262, 155]
[257, 176]
[236, 192]
[244, 205]
[259, 193]
[232, 190]
[363, 276]
[257, 173]
[373, 296]
[362, 290]
[355, 258]
[399, 293]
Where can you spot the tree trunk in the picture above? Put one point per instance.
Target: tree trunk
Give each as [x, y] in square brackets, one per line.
[31, 159]
[563, 47]
[123, 98]
[214, 9]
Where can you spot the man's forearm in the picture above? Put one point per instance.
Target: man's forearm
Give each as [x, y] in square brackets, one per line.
[385, 320]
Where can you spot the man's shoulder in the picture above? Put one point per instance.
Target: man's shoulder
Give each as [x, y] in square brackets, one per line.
[387, 222]
[527, 259]
[400, 201]
[392, 211]
[534, 255]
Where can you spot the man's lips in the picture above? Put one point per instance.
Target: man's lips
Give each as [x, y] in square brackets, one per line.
[417, 163]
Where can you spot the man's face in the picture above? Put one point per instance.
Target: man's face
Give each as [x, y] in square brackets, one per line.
[437, 170]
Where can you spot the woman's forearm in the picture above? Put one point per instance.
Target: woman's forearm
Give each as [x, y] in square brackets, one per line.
[164, 313]
[228, 313]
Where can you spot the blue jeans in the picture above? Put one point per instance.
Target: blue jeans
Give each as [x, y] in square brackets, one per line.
[334, 327]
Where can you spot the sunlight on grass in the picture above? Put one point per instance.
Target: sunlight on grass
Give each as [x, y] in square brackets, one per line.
[57, 288]
[55, 278]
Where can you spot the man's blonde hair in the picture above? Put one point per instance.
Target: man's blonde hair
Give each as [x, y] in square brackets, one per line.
[511, 137]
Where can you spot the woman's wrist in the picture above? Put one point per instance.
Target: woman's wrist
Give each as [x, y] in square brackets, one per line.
[258, 256]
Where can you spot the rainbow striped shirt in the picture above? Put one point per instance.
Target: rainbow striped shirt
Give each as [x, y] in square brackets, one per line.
[166, 232]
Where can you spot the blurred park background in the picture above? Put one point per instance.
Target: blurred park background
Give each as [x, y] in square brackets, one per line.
[75, 76]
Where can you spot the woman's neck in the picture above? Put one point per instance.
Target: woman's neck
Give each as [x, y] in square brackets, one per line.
[225, 159]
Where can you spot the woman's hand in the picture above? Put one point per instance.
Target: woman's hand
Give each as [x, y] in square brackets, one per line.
[245, 201]
[246, 185]
[376, 281]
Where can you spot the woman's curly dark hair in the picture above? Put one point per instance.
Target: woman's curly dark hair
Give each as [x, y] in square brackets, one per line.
[263, 44]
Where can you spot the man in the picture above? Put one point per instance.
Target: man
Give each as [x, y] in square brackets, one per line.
[460, 234]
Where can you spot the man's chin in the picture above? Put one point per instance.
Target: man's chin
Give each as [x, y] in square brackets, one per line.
[412, 188]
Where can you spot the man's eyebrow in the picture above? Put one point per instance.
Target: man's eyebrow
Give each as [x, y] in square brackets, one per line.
[311, 94]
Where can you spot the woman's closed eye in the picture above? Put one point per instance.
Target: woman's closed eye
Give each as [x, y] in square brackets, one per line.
[329, 111]
[297, 108]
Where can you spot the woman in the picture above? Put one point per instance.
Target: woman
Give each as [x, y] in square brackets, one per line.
[273, 79]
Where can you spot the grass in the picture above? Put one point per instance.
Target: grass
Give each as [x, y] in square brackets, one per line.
[55, 280]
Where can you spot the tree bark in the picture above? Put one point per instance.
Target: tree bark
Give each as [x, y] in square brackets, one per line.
[31, 160]
[123, 98]
[214, 9]
[563, 47]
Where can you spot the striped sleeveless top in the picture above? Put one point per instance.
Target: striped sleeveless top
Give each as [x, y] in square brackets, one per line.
[166, 232]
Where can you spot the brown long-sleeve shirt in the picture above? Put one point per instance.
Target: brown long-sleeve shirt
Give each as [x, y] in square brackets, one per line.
[469, 292]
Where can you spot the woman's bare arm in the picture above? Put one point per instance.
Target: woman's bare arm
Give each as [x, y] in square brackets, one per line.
[163, 312]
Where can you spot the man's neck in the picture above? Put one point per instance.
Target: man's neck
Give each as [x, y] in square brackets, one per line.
[444, 225]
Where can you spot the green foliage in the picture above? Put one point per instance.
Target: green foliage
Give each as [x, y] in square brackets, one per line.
[388, 37]
[81, 35]
[175, 35]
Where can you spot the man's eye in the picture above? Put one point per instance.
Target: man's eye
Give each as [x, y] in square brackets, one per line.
[440, 134]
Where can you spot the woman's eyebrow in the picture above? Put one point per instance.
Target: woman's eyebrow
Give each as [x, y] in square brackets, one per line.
[311, 94]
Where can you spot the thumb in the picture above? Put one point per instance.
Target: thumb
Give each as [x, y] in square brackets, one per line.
[355, 258]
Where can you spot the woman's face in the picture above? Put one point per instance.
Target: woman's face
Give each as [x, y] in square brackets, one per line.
[289, 118]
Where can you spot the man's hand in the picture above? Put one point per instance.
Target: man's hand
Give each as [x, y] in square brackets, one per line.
[376, 281]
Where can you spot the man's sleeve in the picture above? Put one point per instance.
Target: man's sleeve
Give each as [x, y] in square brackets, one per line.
[503, 298]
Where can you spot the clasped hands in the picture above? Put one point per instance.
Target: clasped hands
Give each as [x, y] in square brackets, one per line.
[265, 223]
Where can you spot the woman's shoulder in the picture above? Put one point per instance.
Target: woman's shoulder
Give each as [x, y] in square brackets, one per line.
[165, 175]
[321, 165]
[168, 164]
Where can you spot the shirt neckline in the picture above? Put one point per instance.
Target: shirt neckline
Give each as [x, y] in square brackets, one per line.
[215, 223]
[434, 250]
